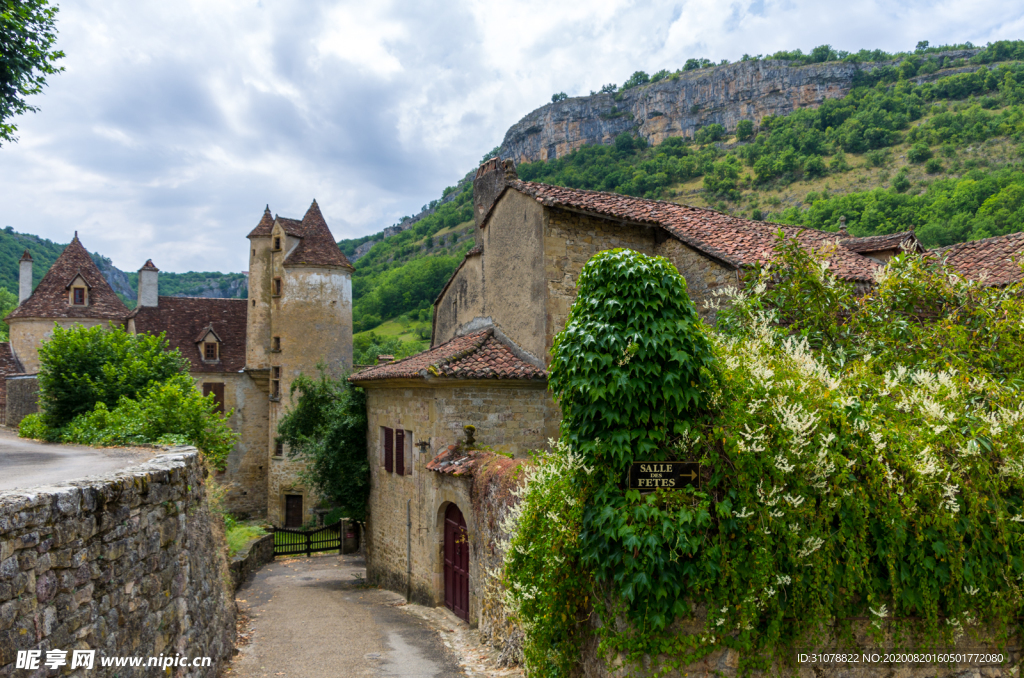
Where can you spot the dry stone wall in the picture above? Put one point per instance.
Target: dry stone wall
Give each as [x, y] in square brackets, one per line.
[125, 564]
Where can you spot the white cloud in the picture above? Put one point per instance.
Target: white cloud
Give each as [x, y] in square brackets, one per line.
[176, 122]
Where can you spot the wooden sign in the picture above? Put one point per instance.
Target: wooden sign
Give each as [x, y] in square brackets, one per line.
[653, 475]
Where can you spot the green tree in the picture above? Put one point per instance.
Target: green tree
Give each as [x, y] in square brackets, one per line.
[638, 78]
[80, 367]
[919, 153]
[327, 429]
[559, 96]
[709, 133]
[8, 302]
[27, 56]
[744, 130]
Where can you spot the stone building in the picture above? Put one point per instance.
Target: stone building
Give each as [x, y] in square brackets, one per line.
[245, 352]
[510, 296]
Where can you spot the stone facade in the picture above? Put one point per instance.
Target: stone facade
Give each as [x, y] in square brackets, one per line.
[124, 564]
[511, 417]
[22, 398]
[704, 275]
[28, 334]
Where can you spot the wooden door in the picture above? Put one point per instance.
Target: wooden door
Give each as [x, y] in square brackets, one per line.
[456, 562]
[293, 510]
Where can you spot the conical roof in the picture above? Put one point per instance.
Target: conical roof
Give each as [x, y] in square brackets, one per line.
[317, 247]
[51, 297]
[265, 225]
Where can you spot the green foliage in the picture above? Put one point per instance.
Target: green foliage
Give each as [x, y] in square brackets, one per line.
[169, 412]
[709, 133]
[194, 283]
[878, 477]
[560, 96]
[638, 78]
[744, 130]
[8, 302]
[238, 535]
[919, 152]
[32, 426]
[367, 346]
[80, 367]
[412, 286]
[327, 430]
[27, 55]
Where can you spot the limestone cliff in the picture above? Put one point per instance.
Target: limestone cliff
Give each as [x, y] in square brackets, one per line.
[723, 94]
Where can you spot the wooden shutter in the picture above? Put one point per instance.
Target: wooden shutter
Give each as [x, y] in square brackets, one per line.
[389, 450]
[400, 452]
[217, 389]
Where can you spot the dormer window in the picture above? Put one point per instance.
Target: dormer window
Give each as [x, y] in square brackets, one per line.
[208, 344]
[78, 291]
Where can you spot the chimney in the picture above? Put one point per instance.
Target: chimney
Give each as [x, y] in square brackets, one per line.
[842, 227]
[148, 285]
[24, 277]
[490, 180]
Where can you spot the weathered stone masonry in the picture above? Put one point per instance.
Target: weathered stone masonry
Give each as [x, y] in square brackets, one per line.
[124, 564]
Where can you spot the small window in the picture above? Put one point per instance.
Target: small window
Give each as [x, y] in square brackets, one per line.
[279, 449]
[210, 350]
[275, 344]
[275, 382]
[79, 296]
[277, 244]
[254, 303]
[217, 389]
[277, 287]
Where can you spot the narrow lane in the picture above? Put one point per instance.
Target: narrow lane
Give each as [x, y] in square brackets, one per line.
[313, 618]
[29, 463]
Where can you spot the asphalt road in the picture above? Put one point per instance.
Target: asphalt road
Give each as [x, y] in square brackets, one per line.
[29, 463]
[312, 618]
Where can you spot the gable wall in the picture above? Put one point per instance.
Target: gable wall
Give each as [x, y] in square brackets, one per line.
[703, 275]
[462, 301]
[28, 334]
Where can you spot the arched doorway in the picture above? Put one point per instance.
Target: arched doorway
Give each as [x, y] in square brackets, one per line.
[456, 562]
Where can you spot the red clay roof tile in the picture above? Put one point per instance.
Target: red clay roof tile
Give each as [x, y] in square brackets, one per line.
[479, 355]
[317, 247]
[264, 227]
[186, 321]
[50, 299]
[993, 260]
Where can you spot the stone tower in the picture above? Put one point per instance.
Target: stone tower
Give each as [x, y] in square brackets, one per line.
[299, 316]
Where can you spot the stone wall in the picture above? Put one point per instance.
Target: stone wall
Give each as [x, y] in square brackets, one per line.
[508, 417]
[124, 564]
[704, 276]
[255, 555]
[22, 398]
[570, 241]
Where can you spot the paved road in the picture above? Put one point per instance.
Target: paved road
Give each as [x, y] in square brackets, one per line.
[311, 618]
[29, 463]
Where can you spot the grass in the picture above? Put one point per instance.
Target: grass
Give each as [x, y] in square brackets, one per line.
[239, 535]
[405, 330]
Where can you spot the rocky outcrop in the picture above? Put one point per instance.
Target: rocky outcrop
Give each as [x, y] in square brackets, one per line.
[117, 278]
[225, 286]
[724, 94]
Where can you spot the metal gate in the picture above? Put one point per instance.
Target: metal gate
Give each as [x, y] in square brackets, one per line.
[289, 542]
[456, 562]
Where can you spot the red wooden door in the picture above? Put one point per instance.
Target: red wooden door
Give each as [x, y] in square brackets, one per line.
[456, 562]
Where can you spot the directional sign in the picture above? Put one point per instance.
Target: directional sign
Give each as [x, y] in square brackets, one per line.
[652, 475]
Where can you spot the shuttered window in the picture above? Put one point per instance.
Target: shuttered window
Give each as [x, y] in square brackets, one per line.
[217, 389]
[389, 450]
[400, 452]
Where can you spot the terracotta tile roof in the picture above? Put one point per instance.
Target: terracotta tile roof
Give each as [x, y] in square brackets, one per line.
[9, 366]
[479, 355]
[453, 461]
[992, 259]
[186, 321]
[265, 225]
[736, 242]
[877, 243]
[317, 247]
[26, 256]
[50, 299]
[148, 266]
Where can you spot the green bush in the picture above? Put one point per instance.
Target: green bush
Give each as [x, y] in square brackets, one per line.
[933, 166]
[327, 430]
[32, 426]
[709, 134]
[901, 182]
[80, 367]
[171, 412]
[744, 130]
[919, 153]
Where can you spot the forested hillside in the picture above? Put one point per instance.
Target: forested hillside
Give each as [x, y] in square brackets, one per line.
[942, 155]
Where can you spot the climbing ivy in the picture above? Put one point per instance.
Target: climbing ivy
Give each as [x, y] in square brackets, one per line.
[838, 484]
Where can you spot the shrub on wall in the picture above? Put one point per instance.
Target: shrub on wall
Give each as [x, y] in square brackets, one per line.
[862, 460]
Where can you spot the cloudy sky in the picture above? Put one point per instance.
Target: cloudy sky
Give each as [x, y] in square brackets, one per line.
[176, 122]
